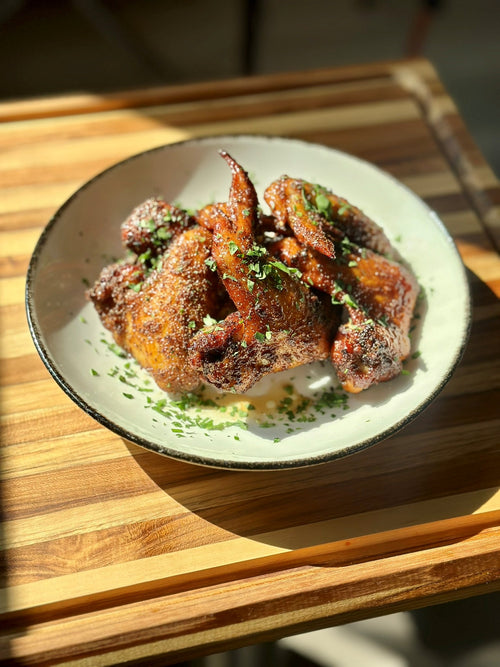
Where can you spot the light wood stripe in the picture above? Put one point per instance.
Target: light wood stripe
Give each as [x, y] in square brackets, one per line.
[55, 454]
[25, 219]
[16, 343]
[115, 148]
[49, 195]
[26, 397]
[484, 263]
[20, 242]
[12, 291]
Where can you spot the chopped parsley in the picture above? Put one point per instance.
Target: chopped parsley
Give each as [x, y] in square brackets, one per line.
[323, 205]
[192, 411]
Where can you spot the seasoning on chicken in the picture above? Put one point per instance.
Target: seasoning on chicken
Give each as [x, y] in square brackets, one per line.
[279, 323]
[153, 225]
[154, 316]
[378, 297]
[318, 217]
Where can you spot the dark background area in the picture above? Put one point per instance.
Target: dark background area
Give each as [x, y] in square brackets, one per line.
[60, 46]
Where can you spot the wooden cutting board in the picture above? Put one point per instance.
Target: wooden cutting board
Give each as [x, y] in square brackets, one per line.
[112, 553]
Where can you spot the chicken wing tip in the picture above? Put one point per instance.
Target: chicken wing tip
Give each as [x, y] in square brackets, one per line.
[235, 167]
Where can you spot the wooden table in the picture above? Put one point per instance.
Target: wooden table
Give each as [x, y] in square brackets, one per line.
[115, 554]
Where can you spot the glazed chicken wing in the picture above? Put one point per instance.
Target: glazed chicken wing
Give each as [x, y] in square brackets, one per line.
[378, 296]
[279, 323]
[318, 217]
[154, 317]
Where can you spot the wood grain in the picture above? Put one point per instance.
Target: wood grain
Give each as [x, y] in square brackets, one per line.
[111, 553]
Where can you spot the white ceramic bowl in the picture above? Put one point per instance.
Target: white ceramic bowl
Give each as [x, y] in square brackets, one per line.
[84, 235]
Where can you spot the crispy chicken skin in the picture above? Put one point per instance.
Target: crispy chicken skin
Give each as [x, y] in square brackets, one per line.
[378, 296]
[153, 225]
[156, 323]
[278, 324]
[318, 217]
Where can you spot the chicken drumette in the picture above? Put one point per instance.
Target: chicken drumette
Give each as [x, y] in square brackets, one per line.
[153, 314]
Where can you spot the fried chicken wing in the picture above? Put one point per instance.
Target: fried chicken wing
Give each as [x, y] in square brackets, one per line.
[378, 296]
[154, 317]
[153, 225]
[318, 217]
[279, 323]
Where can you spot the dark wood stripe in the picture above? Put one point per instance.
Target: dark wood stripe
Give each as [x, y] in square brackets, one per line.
[88, 551]
[193, 92]
[399, 144]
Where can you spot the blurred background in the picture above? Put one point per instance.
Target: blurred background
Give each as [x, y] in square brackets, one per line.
[50, 47]
[60, 46]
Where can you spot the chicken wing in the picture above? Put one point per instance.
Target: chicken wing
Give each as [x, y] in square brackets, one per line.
[318, 217]
[152, 225]
[378, 296]
[154, 316]
[278, 324]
